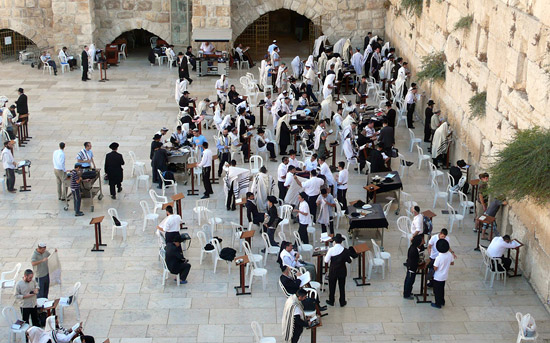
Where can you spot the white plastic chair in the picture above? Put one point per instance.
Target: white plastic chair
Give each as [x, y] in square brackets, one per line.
[521, 334]
[269, 249]
[46, 65]
[386, 209]
[338, 213]
[214, 221]
[485, 261]
[239, 152]
[170, 60]
[413, 139]
[200, 210]
[286, 214]
[64, 64]
[252, 257]
[160, 59]
[158, 200]
[375, 262]
[353, 162]
[303, 248]
[453, 217]
[434, 173]
[403, 164]
[216, 256]
[71, 300]
[202, 242]
[7, 279]
[422, 156]
[142, 177]
[384, 255]
[148, 215]
[123, 225]
[407, 202]
[167, 184]
[135, 162]
[282, 236]
[10, 317]
[404, 226]
[258, 334]
[438, 193]
[256, 271]
[494, 270]
[237, 231]
[465, 204]
[311, 230]
[165, 271]
[256, 162]
[122, 51]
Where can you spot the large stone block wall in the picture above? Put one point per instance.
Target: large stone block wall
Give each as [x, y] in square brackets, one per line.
[31, 18]
[506, 52]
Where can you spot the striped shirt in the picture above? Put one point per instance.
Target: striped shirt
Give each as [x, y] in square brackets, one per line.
[74, 179]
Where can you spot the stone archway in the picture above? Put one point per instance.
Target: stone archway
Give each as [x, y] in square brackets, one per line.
[245, 12]
[106, 36]
[28, 32]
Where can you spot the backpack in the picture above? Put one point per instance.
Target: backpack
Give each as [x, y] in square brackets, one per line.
[228, 254]
[428, 226]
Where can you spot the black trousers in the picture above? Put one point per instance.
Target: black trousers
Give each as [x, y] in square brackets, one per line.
[186, 267]
[331, 226]
[271, 234]
[224, 157]
[230, 199]
[44, 284]
[439, 292]
[341, 280]
[84, 72]
[10, 176]
[271, 149]
[282, 190]
[341, 197]
[112, 187]
[309, 91]
[312, 202]
[409, 283]
[32, 312]
[299, 325]
[206, 180]
[302, 231]
[410, 112]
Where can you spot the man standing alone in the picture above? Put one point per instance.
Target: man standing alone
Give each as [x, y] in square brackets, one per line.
[113, 168]
[9, 165]
[60, 171]
[75, 189]
[39, 261]
[85, 65]
[25, 291]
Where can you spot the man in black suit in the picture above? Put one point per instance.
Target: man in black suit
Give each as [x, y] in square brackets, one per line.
[113, 168]
[85, 65]
[337, 257]
[377, 160]
[413, 258]
[428, 113]
[160, 162]
[386, 137]
[390, 114]
[252, 210]
[176, 263]
[21, 103]
[292, 285]
[183, 67]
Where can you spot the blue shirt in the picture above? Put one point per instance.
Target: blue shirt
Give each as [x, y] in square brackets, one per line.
[199, 141]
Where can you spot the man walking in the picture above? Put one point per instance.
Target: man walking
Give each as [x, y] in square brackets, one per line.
[39, 261]
[75, 189]
[26, 291]
[60, 171]
[9, 165]
[113, 168]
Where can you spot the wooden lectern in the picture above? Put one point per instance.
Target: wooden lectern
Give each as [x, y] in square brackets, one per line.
[240, 289]
[517, 258]
[334, 145]
[361, 249]
[247, 235]
[177, 198]
[23, 129]
[261, 116]
[371, 188]
[241, 203]
[97, 227]
[423, 268]
[214, 179]
[25, 187]
[192, 191]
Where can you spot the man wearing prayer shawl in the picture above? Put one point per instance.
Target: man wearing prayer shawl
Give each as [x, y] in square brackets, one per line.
[440, 143]
[282, 134]
[328, 85]
[262, 187]
[297, 67]
[356, 60]
[294, 319]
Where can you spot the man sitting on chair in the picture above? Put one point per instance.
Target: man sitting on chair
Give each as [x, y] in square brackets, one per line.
[252, 212]
[292, 284]
[176, 263]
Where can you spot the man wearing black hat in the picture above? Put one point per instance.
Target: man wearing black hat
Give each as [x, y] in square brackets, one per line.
[428, 113]
[21, 103]
[175, 261]
[390, 114]
[442, 263]
[337, 257]
[183, 67]
[113, 168]
[159, 163]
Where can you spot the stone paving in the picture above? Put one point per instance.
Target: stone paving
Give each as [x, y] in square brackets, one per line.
[121, 295]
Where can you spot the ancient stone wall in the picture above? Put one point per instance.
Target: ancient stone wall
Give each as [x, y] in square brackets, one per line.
[31, 18]
[506, 52]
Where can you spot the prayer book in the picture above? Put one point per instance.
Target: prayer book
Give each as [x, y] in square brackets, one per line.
[18, 324]
[304, 279]
[48, 303]
[325, 237]
[76, 326]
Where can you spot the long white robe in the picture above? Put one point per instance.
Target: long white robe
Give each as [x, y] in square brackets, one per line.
[181, 86]
[263, 74]
[317, 45]
[356, 60]
[319, 131]
[339, 46]
[322, 62]
[326, 108]
[293, 191]
[329, 81]
[296, 67]
[346, 51]
[440, 141]
[262, 187]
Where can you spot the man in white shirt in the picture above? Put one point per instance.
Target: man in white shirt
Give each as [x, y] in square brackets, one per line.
[59, 171]
[207, 48]
[498, 247]
[292, 161]
[325, 171]
[86, 157]
[442, 263]
[337, 257]
[221, 90]
[348, 150]
[303, 217]
[311, 164]
[9, 165]
[290, 257]
[276, 59]
[417, 227]
[170, 225]
[432, 250]
[312, 189]
[309, 78]
[410, 100]
[206, 165]
[342, 188]
[281, 177]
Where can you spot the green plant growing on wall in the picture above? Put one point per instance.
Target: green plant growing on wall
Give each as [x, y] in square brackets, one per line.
[477, 105]
[432, 67]
[464, 22]
[412, 6]
[522, 167]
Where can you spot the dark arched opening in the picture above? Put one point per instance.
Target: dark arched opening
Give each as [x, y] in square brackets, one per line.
[139, 41]
[292, 31]
[12, 43]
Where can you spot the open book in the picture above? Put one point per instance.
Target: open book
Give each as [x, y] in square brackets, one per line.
[76, 326]
[304, 279]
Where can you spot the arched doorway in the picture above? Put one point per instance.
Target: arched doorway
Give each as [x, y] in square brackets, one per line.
[139, 41]
[11, 43]
[295, 33]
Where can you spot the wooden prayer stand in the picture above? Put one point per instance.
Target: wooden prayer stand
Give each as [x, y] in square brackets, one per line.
[20, 140]
[479, 224]
[102, 68]
[295, 141]
[423, 267]
[241, 288]
[214, 179]
[241, 203]
[517, 258]
[429, 214]
[360, 279]
[345, 80]
[97, 227]
[261, 116]
[314, 330]
[192, 191]
[371, 188]
[177, 198]
[247, 236]
[475, 187]
[334, 145]
[25, 187]
[247, 157]
[24, 127]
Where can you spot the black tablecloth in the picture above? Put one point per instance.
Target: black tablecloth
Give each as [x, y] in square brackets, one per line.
[303, 121]
[374, 220]
[386, 186]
